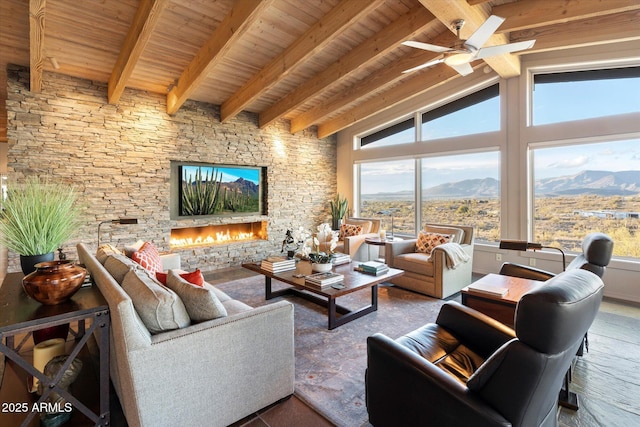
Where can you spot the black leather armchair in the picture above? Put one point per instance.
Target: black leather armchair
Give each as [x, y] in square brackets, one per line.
[597, 249]
[468, 369]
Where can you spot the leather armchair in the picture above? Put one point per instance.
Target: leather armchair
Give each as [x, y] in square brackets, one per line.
[468, 369]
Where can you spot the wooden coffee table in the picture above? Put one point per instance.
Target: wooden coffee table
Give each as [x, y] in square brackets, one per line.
[353, 281]
[502, 308]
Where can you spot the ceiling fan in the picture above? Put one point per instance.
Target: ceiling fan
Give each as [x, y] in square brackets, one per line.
[463, 52]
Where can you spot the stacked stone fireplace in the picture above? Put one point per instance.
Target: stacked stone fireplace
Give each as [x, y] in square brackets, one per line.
[208, 235]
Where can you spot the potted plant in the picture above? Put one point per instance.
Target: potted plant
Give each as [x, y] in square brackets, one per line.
[322, 245]
[339, 207]
[38, 216]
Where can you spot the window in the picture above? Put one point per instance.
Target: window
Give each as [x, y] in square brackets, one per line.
[389, 187]
[583, 188]
[463, 189]
[475, 113]
[578, 95]
[400, 133]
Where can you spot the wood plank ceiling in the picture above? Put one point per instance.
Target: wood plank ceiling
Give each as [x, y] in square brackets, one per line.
[327, 63]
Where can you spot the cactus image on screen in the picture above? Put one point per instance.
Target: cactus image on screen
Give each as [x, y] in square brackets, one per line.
[213, 190]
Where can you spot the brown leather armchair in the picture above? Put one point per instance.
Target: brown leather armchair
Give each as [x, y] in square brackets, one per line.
[470, 370]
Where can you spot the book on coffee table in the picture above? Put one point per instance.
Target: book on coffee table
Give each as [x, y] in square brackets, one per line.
[323, 279]
[276, 264]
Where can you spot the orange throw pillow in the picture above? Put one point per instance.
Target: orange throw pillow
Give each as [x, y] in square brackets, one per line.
[194, 277]
[427, 241]
[148, 257]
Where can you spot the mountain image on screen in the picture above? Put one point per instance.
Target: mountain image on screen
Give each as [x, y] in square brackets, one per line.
[210, 191]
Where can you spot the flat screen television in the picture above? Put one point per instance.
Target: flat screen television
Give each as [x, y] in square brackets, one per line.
[205, 189]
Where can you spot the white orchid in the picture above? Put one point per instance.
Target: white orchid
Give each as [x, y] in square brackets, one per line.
[311, 247]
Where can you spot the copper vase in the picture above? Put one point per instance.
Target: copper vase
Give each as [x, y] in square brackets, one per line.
[54, 282]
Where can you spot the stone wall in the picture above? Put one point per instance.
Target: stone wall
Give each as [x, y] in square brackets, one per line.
[117, 157]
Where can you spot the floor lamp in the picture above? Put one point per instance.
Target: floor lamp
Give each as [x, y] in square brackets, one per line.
[116, 221]
[523, 245]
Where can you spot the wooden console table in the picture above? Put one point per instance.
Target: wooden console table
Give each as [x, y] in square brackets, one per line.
[502, 308]
[19, 315]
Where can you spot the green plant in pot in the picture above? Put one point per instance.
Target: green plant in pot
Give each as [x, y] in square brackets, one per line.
[339, 207]
[38, 216]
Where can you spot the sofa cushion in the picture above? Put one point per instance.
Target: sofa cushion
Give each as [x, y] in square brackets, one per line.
[119, 265]
[105, 250]
[414, 262]
[427, 241]
[366, 225]
[456, 233]
[201, 303]
[132, 248]
[194, 277]
[159, 307]
[348, 230]
[148, 257]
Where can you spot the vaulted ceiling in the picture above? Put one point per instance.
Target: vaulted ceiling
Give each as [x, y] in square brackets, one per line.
[328, 63]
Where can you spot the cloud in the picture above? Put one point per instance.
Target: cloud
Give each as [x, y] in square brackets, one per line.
[576, 162]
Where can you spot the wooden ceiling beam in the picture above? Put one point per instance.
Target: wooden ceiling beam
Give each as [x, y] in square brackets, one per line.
[139, 33]
[403, 28]
[374, 82]
[447, 11]
[313, 40]
[36, 43]
[537, 13]
[234, 25]
[615, 28]
[414, 86]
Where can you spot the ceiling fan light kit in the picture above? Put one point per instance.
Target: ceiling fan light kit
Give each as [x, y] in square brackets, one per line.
[463, 52]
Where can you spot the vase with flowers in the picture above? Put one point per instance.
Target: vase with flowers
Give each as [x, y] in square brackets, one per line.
[319, 247]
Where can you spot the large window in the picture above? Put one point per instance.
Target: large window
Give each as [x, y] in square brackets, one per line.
[463, 189]
[388, 188]
[580, 189]
[578, 95]
[475, 113]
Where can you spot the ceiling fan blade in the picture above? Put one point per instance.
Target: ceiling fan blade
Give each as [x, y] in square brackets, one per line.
[425, 65]
[486, 30]
[486, 52]
[463, 69]
[426, 46]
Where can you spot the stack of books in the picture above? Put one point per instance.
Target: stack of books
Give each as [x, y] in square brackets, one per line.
[276, 264]
[375, 268]
[490, 290]
[340, 258]
[322, 280]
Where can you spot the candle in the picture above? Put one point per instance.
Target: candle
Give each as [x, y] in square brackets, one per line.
[383, 234]
[43, 352]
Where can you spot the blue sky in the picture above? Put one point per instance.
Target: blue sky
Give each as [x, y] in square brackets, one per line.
[229, 174]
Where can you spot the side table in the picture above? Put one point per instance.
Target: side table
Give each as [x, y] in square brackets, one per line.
[377, 241]
[19, 314]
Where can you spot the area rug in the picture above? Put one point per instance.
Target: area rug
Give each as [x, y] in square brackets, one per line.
[330, 365]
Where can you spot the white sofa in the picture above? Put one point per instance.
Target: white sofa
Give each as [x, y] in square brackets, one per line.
[211, 373]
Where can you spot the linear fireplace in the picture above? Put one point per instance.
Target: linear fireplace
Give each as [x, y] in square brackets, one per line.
[217, 234]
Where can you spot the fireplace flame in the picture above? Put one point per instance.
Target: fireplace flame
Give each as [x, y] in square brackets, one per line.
[202, 236]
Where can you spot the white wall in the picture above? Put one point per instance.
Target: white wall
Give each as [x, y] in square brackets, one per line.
[622, 280]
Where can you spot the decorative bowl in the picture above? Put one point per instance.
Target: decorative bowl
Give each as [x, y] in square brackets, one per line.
[53, 282]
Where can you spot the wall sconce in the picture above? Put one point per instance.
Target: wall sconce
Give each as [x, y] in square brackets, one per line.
[523, 245]
[116, 221]
[389, 212]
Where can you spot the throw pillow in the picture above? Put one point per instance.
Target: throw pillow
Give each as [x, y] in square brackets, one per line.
[194, 277]
[202, 303]
[105, 250]
[427, 241]
[148, 257]
[119, 265]
[348, 230]
[159, 307]
[129, 250]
